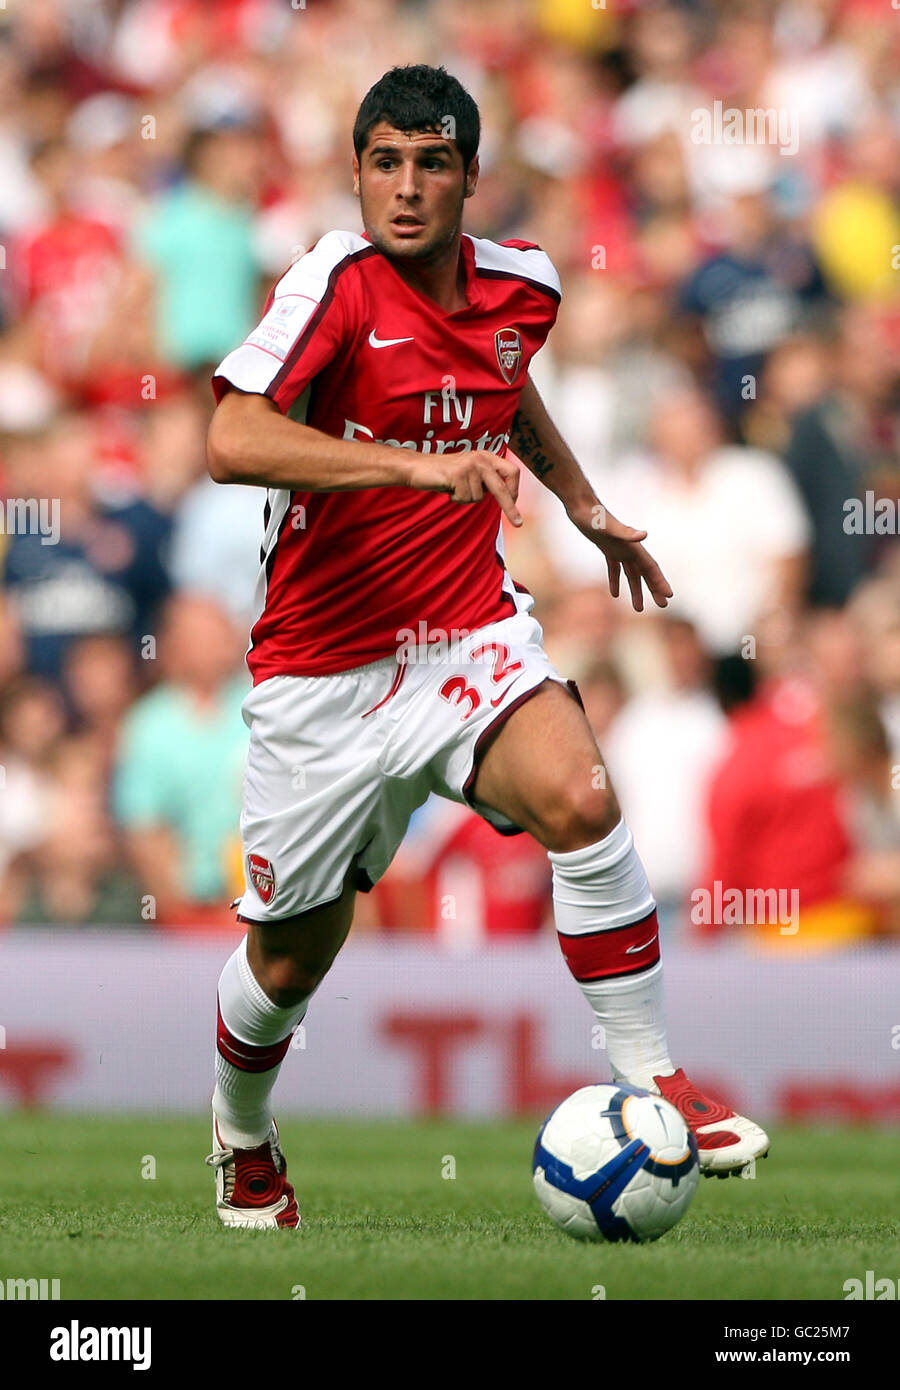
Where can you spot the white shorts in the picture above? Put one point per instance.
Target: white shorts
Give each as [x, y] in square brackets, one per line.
[337, 764]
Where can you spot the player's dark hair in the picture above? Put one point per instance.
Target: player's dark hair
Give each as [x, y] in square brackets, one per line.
[417, 98]
[733, 681]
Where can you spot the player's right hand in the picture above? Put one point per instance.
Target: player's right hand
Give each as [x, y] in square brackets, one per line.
[466, 477]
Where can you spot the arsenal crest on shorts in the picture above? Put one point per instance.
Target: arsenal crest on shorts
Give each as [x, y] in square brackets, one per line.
[262, 876]
[509, 353]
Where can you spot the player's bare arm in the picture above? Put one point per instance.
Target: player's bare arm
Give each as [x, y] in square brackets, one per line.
[540, 446]
[251, 442]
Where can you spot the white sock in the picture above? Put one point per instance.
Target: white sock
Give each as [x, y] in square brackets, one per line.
[606, 920]
[631, 1012]
[252, 1038]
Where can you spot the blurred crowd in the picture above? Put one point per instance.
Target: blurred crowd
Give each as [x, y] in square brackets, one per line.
[726, 367]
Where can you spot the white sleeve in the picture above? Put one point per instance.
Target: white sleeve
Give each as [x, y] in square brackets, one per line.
[301, 330]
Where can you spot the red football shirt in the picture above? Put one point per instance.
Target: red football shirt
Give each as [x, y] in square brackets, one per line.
[69, 272]
[347, 347]
[774, 817]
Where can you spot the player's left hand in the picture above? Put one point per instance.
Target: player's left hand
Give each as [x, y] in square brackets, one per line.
[621, 545]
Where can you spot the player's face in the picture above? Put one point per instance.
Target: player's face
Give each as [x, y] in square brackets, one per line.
[411, 188]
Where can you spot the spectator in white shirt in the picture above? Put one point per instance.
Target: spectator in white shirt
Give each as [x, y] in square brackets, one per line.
[725, 522]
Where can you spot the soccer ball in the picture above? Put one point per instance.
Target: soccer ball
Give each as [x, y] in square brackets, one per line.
[615, 1163]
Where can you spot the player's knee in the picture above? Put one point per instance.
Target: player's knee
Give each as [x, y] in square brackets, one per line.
[581, 815]
[288, 981]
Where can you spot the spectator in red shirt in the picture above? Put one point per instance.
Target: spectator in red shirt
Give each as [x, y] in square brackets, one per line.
[69, 267]
[775, 820]
[456, 878]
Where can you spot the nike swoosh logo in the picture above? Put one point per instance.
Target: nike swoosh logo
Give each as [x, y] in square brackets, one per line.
[376, 342]
[503, 695]
[633, 950]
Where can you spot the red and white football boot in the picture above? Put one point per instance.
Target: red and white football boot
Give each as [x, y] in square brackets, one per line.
[726, 1142]
[251, 1184]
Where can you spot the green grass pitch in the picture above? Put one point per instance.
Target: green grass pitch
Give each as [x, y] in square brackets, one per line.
[381, 1222]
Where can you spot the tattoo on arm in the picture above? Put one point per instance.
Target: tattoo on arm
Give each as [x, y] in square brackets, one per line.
[528, 446]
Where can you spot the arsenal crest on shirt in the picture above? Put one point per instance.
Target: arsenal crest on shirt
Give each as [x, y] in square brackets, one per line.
[262, 876]
[509, 353]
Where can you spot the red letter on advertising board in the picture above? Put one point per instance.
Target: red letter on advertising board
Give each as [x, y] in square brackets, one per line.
[433, 1038]
[531, 1087]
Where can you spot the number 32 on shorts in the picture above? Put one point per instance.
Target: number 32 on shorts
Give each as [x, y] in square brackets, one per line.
[457, 691]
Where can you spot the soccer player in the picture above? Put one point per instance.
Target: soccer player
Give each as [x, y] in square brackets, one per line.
[393, 655]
